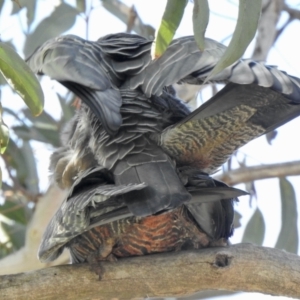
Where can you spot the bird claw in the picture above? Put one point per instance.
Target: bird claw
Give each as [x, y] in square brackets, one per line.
[95, 265]
[103, 253]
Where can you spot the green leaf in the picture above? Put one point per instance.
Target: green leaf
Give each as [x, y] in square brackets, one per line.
[42, 134]
[16, 234]
[4, 137]
[81, 6]
[5, 248]
[2, 79]
[249, 13]
[1, 5]
[68, 110]
[30, 5]
[31, 10]
[15, 159]
[43, 118]
[61, 20]
[32, 179]
[200, 21]
[121, 11]
[16, 8]
[19, 76]
[169, 24]
[288, 236]
[14, 211]
[22, 160]
[237, 219]
[13, 113]
[255, 229]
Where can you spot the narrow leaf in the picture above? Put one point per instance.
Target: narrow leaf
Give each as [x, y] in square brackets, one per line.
[15, 159]
[32, 179]
[44, 135]
[19, 76]
[14, 211]
[1, 5]
[255, 229]
[68, 110]
[30, 5]
[14, 114]
[16, 234]
[62, 19]
[31, 10]
[44, 117]
[4, 137]
[200, 21]
[169, 24]
[81, 5]
[249, 13]
[288, 236]
[237, 219]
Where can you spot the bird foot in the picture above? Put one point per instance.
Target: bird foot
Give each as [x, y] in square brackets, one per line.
[103, 253]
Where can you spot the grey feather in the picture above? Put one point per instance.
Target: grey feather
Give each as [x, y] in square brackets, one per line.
[114, 158]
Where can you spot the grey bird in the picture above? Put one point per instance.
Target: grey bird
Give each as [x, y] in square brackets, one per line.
[134, 151]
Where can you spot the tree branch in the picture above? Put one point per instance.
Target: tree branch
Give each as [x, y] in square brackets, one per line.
[294, 13]
[26, 258]
[249, 174]
[241, 267]
[271, 10]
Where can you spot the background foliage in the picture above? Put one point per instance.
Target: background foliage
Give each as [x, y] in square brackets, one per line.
[24, 180]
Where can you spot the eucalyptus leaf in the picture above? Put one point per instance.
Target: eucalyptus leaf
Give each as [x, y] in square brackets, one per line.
[169, 24]
[13, 211]
[16, 234]
[2, 79]
[81, 5]
[121, 10]
[200, 21]
[237, 219]
[31, 10]
[16, 7]
[41, 134]
[61, 20]
[68, 110]
[255, 229]
[5, 248]
[288, 237]
[1, 5]
[30, 6]
[4, 137]
[44, 118]
[15, 159]
[32, 179]
[247, 22]
[14, 114]
[19, 76]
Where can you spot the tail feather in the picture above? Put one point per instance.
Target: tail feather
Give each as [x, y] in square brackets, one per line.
[95, 200]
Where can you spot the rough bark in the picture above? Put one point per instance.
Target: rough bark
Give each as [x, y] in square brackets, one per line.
[241, 267]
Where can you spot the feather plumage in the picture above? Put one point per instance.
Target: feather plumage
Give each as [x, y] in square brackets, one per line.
[145, 148]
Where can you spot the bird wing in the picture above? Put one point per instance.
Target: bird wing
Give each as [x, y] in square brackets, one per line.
[91, 190]
[183, 62]
[94, 70]
[230, 119]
